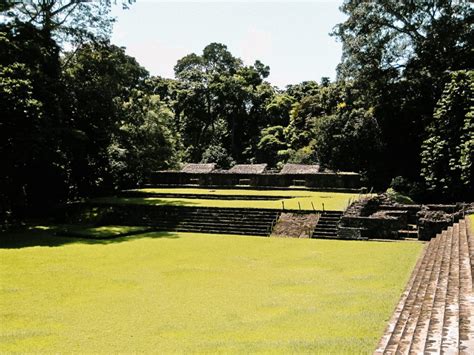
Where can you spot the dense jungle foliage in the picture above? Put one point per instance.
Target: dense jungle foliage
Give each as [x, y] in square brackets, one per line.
[79, 117]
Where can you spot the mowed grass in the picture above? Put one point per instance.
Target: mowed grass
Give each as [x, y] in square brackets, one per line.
[169, 292]
[296, 199]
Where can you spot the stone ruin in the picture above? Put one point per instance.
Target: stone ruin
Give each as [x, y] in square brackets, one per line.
[248, 169]
[198, 168]
[299, 169]
[381, 217]
[257, 175]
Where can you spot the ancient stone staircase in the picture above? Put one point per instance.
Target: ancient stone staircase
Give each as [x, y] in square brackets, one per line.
[327, 224]
[436, 311]
[258, 222]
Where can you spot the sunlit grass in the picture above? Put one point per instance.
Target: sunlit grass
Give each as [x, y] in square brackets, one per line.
[297, 199]
[170, 292]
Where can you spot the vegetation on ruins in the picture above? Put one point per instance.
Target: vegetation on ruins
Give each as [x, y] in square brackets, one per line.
[82, 118]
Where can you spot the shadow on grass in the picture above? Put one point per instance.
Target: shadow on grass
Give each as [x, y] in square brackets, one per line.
[147, 201]
[54, 236]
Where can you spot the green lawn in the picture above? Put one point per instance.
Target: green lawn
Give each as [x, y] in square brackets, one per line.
[169, 292]
[335, 201]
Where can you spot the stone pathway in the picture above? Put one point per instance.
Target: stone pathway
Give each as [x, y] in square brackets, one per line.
[436, 311]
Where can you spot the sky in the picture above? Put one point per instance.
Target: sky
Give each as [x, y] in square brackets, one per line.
[291, 37]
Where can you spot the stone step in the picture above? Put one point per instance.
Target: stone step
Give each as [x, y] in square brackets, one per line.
[396, 322]
[435, 327]
[327, 223]
[435, 313]
[326, 228]
[218, 231]
[470, 242]
[450, 334]
[466, 302]
[214, 226]
[409, 307]
[249, 221]
[407, 233]
[416, 343]
[323, 234]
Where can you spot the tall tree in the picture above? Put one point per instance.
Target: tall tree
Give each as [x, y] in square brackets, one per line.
[220, 102]
[33, 164]
[448, 151]
[145, 140]
[98, 78]
[398, 54]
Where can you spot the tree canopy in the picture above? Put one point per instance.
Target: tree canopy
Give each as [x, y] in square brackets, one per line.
[80, 117]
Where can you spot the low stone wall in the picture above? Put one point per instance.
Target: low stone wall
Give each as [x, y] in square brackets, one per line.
[350, 233]
[227, 179]
[411, 211]
[372, 227]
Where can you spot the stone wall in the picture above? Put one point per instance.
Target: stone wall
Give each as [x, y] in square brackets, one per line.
[380, 217]
[373, 227]
[228, 179]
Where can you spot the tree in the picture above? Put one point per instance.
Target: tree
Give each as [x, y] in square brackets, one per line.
[34, 169]
[447, 156]
[71, 21]
[397, 56]
[98, 79]
[145, 141]
[216, 87]
[349, 140]
[271, 145]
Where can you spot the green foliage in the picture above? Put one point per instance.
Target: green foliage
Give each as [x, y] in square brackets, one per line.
[305, 155]
[399, 197]
[213, 88]
[87, 121]
[270, 144]
[145, 141]
[99, 78]
[219, 155]
[448, 151]
[279, 109]
[349, 140]
[34, 169]
[71, 21]
[73, 125]
[397, 55]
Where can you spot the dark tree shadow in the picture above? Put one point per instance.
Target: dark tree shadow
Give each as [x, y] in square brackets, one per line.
[52, 237]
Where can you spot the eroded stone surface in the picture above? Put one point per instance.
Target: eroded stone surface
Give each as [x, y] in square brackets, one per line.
[435, 313]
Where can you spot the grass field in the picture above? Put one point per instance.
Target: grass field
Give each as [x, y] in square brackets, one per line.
[168, 292]
[298, 198]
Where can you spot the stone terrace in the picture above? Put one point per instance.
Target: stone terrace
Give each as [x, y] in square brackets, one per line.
[436, 311]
